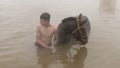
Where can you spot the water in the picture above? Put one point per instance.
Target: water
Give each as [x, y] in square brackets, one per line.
[18, 21]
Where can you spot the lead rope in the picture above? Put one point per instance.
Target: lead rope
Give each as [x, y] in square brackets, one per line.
[78, 24]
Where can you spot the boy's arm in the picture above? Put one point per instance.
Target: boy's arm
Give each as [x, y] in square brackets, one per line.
[38, 39]
[55, 41]
[55, 38]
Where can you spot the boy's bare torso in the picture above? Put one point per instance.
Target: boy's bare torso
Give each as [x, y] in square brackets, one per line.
[46, 34]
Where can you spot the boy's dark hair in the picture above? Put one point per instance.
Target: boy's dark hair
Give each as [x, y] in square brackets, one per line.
[45, 16]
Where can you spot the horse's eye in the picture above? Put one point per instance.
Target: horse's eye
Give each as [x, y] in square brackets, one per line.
[83, 31]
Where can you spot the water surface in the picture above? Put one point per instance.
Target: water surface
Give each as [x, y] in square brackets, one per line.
[19, 19]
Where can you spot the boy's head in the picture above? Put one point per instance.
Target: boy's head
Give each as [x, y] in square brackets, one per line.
[45, 18]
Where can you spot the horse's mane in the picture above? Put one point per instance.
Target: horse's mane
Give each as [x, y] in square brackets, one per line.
[68, 19]
[63, 34]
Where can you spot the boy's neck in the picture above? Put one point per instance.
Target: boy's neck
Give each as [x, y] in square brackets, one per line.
[48, 25]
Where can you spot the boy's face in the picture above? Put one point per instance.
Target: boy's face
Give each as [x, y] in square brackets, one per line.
[43, 22]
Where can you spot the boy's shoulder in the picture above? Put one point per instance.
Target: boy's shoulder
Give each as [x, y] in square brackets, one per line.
[52, 27]
[39, 27]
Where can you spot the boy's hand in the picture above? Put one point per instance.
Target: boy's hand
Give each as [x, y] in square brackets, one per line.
[53, 49]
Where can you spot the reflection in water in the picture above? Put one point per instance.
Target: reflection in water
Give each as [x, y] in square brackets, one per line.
[45, 57]
[108, 6]
[78, 59]
[73, 57]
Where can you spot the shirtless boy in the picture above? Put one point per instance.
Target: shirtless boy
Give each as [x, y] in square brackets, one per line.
[45, 31]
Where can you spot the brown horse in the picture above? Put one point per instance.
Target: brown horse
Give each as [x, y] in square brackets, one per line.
[76, 27]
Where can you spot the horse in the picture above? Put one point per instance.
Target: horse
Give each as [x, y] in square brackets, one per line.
[76, 27]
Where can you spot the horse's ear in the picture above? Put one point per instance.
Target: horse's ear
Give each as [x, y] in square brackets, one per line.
[80, 16]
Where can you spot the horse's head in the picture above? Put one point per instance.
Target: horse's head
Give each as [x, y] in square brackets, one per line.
[80, 32]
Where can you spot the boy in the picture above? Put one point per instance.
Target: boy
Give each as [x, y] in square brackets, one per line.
[45, 31]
